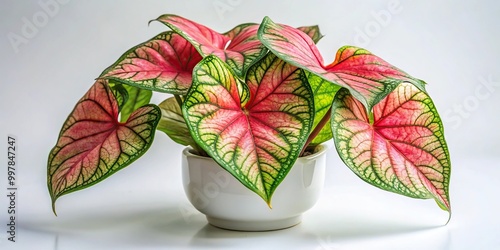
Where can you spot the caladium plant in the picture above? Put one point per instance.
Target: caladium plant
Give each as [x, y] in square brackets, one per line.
[255, 99]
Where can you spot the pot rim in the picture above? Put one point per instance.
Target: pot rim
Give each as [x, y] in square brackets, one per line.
[320, 149]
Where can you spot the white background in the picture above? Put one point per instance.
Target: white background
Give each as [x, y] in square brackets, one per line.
[453, 46]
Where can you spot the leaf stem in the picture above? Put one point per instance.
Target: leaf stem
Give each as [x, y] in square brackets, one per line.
[371, 119]
[179, 100]
[317, 129]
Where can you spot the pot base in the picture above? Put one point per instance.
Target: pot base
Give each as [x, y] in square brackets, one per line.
[255, 226]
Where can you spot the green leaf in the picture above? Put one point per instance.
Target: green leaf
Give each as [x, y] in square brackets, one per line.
[323, 92]
[402, 151]
[172, 123]
[119, 92]
[132, 100]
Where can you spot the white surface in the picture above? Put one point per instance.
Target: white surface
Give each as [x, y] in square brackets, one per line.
[452, 46]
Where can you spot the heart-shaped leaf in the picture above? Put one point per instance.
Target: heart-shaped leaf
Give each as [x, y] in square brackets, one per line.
[366, 76]
[259, 139]
[93, 145]
[402, 151]
[238, 47]
[164, 63]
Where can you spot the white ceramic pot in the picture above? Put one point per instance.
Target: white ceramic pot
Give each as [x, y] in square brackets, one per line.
[230, 205]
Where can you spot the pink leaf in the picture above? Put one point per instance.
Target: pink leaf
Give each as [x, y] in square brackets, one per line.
[238, 47]
[366, 76]
[402, 151]
[93, 145]
[164, 63]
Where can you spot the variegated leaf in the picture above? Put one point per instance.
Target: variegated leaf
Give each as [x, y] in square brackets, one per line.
[93, 144]
[403, 150]
[238, 47]
[164, 64]
[259, 139]
[366, 76]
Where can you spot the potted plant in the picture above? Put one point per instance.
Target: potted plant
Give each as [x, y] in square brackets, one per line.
[256, 103]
